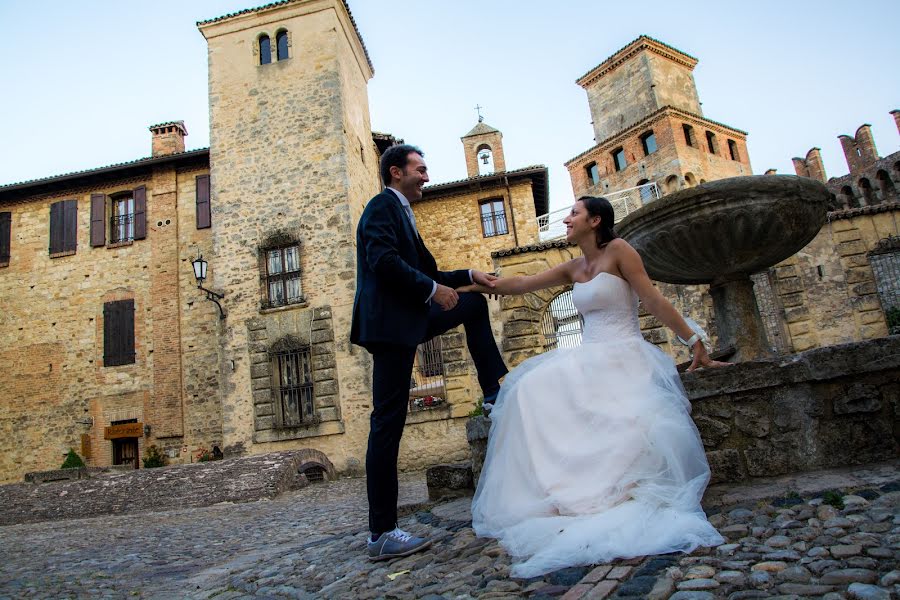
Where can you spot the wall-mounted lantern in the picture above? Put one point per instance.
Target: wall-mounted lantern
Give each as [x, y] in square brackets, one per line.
[200, 265]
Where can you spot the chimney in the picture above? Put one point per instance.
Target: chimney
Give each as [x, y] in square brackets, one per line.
[775, 171]
[168, 138]
[896, 114]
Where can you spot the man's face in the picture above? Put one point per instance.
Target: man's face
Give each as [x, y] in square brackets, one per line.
[411, 178]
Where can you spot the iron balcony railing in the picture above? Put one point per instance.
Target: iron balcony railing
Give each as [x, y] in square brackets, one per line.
[121, 228]
[624, 202]
[494, 224]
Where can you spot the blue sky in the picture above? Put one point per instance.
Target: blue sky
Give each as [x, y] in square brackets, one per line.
[83, 80]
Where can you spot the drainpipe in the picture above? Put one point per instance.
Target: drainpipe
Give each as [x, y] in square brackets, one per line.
[512, 214]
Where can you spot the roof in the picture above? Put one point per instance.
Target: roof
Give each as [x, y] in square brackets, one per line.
[533, 248]
[643, 42]
[179, 124]
[536, 173]
[652, 117]
[284, 3]
[33, 187]
[481, 129]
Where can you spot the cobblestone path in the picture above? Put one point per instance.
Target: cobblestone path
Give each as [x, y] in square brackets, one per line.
[311, 544]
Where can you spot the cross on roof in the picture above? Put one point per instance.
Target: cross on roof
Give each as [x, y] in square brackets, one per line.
[478, 108]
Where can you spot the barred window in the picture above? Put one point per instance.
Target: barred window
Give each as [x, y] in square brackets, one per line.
[121, 224]
[562, 323]
[885, 261]
[293, 388]
[427, 386]
[493, 218]
[283, 284]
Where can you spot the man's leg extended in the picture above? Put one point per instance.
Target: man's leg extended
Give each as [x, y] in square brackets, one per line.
[471, 311]
[392, 370]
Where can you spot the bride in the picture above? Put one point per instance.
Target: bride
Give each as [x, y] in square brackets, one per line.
[592, 453]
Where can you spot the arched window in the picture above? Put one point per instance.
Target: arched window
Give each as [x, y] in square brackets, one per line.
[711, 142]
[671, 183]
[281, 44]
[733, 150]
[562, 324]
[690, 180]
[866, 188]
[265, 50]
[849, 199]
[887, 186]
[485, 159]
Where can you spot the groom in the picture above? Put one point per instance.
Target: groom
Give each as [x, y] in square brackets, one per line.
[402, 300]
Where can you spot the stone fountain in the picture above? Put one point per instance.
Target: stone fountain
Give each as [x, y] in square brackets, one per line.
[720, 233]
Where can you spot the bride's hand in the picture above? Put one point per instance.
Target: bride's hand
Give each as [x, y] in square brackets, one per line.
[702, 359]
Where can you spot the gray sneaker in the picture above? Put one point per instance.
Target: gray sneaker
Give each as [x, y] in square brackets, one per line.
[396, 543]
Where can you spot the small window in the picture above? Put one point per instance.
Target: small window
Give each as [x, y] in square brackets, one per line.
[293, 387]
[593, 173]
[733, 150]
[648, 141]
[493, 218]
[118, 333]
[711, 142]
[63, 227]
[265, 50]
[121, 223]
[283, 276]
[689, 138]
[618, 156]
[5, 228]
[281, 45]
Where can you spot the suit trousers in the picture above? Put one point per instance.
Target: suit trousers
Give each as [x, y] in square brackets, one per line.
[392, 370]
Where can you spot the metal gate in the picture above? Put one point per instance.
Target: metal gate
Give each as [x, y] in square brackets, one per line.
[562, 323]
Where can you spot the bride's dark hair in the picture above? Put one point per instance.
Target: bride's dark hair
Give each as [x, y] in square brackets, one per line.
[597, 206]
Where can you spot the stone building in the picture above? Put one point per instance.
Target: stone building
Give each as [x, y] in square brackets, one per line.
[649, 126]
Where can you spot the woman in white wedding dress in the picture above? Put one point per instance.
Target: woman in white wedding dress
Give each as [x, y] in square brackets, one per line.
[592, 453]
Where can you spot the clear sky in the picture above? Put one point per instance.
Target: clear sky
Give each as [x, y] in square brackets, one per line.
[83, 80]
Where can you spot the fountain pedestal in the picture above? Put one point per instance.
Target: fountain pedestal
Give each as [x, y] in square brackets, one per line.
[738, 321]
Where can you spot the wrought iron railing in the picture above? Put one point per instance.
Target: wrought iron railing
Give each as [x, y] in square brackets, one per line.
[494, 224]
[624, 202]
[427, 388]
[562, 324]
[121, 228]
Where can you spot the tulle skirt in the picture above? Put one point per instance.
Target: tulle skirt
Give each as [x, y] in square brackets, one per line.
[593, 456]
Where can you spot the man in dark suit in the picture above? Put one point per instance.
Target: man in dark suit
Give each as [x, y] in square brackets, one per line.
[402, 300]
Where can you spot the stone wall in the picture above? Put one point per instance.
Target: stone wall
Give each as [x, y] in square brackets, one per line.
[827, 407]
[164, 488]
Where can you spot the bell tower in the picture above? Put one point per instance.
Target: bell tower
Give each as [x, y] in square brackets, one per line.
[483, 146]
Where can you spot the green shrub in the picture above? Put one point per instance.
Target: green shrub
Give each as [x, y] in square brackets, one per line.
[154, 458]
[833, 498]
[73, 461]
[479, 408]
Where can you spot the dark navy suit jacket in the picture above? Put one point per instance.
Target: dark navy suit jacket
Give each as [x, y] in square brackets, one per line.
[394, 275]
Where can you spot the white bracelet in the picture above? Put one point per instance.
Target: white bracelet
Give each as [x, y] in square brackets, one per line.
[692, 340]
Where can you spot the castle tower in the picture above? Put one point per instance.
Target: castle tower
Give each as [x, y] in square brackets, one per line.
[811, 166]
[483, 147]
[859, 150]
[292, 165]
[649, 126]
[896, 114]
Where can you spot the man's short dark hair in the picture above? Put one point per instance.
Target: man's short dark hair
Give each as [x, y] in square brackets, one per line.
[396, 156]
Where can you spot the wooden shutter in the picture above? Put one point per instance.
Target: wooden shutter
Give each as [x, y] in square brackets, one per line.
[5, 226]
[98, 220]
[56, 227]
[118, 333]
[70, 225]
[140, 213]
[203, 214]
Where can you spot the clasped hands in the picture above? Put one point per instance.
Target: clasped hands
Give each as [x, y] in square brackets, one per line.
[447, 297]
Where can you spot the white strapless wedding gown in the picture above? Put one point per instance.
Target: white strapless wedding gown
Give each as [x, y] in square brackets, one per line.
[592, 452]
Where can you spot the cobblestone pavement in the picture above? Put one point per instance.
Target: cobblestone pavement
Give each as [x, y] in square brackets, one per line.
[310, 544]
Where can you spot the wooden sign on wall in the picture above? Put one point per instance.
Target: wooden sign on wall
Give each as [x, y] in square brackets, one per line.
[125, 430]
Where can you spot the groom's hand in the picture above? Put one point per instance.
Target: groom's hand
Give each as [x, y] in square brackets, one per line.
[482, 278]
[445, 297]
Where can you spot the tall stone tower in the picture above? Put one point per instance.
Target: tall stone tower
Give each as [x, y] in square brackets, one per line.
[483, 146]
[649, 126]
[292, 166]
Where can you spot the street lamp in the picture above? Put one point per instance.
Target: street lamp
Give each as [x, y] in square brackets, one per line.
[200, 265]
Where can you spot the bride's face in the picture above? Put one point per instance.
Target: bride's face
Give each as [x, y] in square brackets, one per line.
[579, 223]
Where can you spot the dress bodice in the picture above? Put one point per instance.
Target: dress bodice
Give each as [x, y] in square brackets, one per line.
[609, 307]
